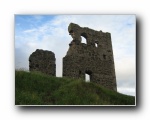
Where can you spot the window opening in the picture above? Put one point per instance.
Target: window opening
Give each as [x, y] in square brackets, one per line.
[104, 56]
[83, 40]
[96, 45]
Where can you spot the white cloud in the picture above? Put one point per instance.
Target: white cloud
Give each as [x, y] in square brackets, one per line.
[127, 91]
[38, 17]
[29, 31]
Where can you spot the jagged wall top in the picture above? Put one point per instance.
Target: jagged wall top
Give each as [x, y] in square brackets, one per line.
[91, 36]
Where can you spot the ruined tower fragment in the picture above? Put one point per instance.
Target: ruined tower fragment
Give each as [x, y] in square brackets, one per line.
[43, 61]
[94, 58]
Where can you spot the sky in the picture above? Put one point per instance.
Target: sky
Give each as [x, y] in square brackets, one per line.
[50, 32]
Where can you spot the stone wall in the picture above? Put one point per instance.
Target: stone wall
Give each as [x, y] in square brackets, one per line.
[94, 58]
[43, 61]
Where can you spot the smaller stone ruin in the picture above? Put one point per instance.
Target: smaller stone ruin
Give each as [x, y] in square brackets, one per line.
[43, 61]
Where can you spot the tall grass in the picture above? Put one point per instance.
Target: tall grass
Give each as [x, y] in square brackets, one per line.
[34, 88]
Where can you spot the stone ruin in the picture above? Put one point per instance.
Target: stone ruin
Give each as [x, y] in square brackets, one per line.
[43, 61]
[94, 58]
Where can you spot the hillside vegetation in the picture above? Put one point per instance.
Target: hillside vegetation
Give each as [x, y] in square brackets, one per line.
[34, 88]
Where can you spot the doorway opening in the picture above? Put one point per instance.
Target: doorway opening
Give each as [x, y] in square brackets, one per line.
[87, 77]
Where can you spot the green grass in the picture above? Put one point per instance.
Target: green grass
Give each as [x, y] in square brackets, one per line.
[34, 88]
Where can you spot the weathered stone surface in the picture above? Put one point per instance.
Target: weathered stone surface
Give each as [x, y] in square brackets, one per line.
[94, 58]
[43, 61]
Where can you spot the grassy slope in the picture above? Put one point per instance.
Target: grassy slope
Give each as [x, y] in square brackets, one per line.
[39, 89]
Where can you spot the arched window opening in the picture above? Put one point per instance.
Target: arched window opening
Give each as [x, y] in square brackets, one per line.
[83, 40]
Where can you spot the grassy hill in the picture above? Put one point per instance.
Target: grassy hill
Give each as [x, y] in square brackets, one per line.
[33, 88]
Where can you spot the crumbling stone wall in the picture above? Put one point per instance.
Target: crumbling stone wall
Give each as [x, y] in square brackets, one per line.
[94, 58]
[43, 61]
